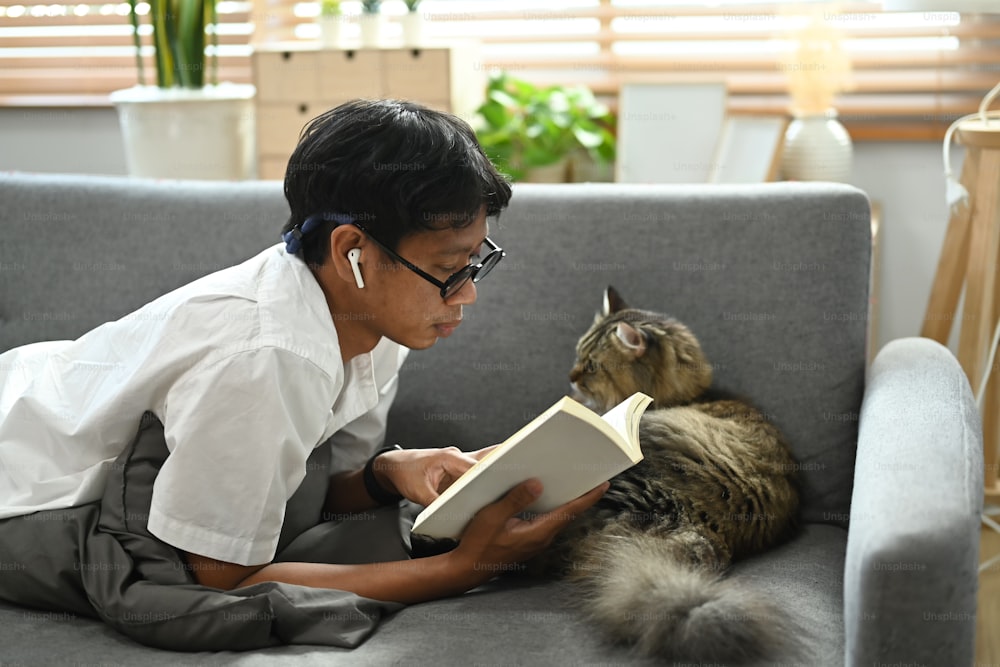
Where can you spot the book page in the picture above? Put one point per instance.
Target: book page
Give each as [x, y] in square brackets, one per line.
[624, 418]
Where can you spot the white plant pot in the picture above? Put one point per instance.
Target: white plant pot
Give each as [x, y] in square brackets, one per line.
[413, 29]
[551, 173]
[817, 148]
[584, 169]
[187, 133]
[331, 31]
[371, 29]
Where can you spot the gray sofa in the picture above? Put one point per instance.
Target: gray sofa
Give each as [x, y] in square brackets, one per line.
[772, 278]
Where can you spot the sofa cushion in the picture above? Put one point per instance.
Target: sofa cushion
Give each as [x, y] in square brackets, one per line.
[507, 622]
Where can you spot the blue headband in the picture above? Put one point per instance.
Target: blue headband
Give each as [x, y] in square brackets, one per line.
[293, 237]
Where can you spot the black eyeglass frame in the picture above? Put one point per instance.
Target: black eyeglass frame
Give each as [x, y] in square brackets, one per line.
[453, 283]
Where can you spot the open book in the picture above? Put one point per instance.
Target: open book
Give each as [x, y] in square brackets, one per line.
[570, 448]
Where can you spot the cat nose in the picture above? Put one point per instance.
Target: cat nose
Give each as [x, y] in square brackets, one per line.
[574, 375]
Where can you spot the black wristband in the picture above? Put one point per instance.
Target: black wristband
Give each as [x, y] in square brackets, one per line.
[374, 489]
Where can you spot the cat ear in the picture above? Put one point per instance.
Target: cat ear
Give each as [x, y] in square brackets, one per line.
[633, 339]
[613, 301]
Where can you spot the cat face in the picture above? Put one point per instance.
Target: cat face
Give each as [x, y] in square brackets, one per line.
[628, 350]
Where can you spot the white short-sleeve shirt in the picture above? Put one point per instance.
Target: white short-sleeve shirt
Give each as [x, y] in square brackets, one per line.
[243, 368]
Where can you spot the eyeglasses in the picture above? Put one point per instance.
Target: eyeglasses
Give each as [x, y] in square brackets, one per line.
[455, 281]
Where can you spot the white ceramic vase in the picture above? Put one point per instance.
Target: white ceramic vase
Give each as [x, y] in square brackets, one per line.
[582, 168]
[550, 173]
[188, 133]
[413, 29]
[817, 148]
[371, 29]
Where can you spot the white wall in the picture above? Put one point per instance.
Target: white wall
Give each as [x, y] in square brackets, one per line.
[906, 178]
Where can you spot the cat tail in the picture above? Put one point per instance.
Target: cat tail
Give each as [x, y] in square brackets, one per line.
[667, 596]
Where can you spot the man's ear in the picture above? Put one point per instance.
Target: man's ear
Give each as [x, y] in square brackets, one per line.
[343, 239]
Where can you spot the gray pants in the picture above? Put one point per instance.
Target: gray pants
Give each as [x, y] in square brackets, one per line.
[98, 560]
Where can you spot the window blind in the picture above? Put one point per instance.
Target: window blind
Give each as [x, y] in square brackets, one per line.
[910, 74]
[77, 52]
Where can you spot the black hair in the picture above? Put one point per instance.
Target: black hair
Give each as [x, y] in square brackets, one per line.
[395, 167]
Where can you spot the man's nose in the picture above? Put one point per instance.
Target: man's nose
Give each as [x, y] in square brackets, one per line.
[466, 296]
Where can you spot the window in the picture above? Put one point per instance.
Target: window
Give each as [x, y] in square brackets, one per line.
[910, 73]
[77, 52]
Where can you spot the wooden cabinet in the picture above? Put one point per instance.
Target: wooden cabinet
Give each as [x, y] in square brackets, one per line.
[297, 83]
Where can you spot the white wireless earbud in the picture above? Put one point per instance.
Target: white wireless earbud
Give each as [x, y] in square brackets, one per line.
[353, 255]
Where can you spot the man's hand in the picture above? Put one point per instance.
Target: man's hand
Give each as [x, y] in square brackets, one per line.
[421, 475]
[496, 539]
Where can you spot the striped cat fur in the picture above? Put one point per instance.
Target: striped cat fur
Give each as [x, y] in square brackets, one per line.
[717, 484]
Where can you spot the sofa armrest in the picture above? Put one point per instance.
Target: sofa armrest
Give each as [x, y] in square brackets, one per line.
[913, 544]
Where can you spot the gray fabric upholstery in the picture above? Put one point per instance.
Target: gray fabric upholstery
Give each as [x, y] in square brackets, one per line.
[99, 247]
[772, 278]
[913, 550]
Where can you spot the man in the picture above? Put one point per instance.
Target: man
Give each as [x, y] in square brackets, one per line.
[251, 368]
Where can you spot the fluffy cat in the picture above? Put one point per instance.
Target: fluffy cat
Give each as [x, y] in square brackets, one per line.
[717, 484]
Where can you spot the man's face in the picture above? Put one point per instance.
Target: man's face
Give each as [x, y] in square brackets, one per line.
[409, 309]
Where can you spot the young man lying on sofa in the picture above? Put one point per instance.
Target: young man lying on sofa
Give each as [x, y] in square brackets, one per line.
[179, 434]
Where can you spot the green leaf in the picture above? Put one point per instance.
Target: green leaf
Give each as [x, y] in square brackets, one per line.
[504, 99]
[587, 138]
[494, 140]
[136, 41]
[495, 114]
[212, 19]
[191, 43]
[558, 101]
[162, 38]
[536, 157]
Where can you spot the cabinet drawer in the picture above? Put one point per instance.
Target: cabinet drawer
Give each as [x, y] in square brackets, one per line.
[416, 74]
[286, 75]
[347, 74]
[278, 126]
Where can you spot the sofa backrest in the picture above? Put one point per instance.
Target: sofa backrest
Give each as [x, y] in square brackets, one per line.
[772, 278]
[78, 251]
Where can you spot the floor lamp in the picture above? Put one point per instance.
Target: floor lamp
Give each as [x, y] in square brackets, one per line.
[970, 257]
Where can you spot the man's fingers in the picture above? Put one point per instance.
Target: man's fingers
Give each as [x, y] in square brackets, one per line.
[519, 498]
[457, 464]
[480, 454]
[448, 469]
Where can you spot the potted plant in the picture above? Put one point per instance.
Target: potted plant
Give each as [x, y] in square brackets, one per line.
[183, 126]
[413, 24]
[330, 21]
[370, 22]
[551, 133]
